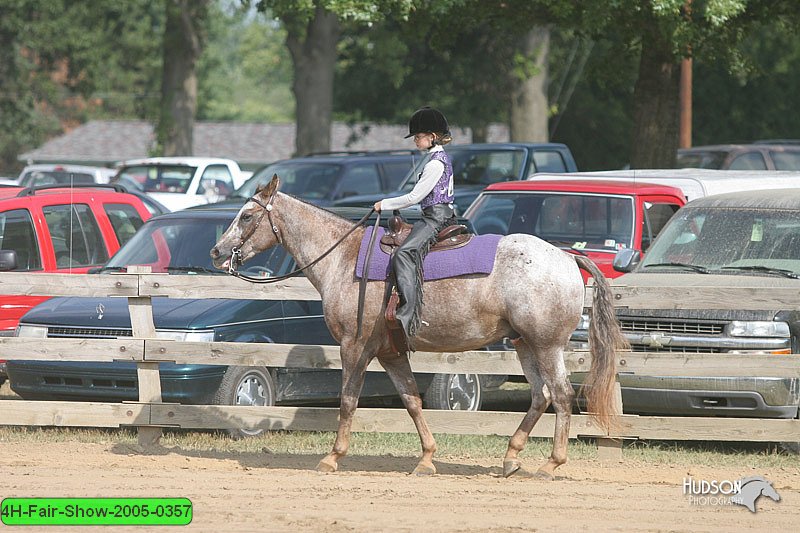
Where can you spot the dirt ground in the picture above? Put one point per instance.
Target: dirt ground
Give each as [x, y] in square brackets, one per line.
[267, 492]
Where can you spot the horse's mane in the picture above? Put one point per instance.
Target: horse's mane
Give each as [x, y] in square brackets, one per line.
[328, 214]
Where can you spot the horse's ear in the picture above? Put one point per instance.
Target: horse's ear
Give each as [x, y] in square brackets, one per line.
[270, 188]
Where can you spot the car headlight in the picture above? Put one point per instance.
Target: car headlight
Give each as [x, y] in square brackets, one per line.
[191, 336]
[740, 328]
[37, 332]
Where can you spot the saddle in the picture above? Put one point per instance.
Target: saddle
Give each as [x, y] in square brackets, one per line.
[451, 237]
[454, 236]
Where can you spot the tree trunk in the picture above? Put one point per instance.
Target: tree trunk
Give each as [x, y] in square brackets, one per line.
[480, 133]
[183, 44]
[313, 51]
[656, 108]
[529, 108]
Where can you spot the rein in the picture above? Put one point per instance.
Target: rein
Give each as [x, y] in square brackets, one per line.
[236, 251]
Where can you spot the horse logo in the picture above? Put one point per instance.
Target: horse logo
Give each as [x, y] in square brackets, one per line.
[752, 489]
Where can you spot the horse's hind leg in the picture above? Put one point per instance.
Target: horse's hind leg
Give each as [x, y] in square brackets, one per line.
[353, 372]
[544, 368]
[540, 399]
[399, 370]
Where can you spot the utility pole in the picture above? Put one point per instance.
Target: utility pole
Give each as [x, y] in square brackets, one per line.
[685, 127]
[685, 136]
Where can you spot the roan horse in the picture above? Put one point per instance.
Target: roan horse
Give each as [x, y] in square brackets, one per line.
[535, 291]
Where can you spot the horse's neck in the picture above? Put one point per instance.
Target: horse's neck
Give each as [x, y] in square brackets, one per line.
[308, 232]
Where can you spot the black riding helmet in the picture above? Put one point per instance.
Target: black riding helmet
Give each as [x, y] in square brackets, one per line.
[427, 120]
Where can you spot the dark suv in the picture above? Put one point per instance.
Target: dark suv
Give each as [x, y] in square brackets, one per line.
[322, 179]
[761, 155]
[477, 165]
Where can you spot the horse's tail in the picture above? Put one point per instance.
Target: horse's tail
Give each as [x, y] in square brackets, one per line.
[605, 337]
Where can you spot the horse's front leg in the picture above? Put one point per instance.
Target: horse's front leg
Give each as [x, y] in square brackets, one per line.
[399, 370]
[354, 367]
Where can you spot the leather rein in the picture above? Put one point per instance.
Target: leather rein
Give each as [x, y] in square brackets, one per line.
[236, 252]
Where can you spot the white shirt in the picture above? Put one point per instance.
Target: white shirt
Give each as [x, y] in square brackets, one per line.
[430, 176]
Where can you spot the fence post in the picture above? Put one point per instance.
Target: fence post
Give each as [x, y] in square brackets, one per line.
[610, 449]
[141, 311]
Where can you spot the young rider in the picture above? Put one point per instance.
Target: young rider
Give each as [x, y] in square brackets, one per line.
[434, 193]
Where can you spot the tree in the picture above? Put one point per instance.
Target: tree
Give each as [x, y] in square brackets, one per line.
[184, 36]
[469, 59]
[313, 30]
[665, 31]
[245, 72]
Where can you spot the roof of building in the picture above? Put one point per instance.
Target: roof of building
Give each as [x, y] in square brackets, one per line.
[105, 142]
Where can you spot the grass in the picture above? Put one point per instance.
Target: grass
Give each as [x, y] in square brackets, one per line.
[763, 455]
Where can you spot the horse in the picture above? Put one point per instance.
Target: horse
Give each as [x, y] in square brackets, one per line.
[752, 488]
[535, 293]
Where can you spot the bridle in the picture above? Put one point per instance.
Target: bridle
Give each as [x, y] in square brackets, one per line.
[236, 251]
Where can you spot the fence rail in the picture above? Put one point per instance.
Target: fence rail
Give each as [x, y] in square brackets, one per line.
[150, 414]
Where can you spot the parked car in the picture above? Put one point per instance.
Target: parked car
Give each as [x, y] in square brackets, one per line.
[757, 156]
[747, 239]
[325, 178]
[62, 174]
[593, 217]
[180, 182]
[59, 229]
[477, 165]
[179, 243]
[695, 182]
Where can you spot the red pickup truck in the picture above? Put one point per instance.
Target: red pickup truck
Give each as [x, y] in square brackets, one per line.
[61, 229]
[594, 217]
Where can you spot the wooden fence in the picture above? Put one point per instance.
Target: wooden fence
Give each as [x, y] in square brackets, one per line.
[150, 415]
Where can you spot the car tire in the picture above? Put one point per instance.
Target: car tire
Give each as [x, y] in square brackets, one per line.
[454, 392]
[245, 385]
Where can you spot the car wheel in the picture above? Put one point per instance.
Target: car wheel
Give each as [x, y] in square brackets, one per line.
[454, 392]
[245, 385]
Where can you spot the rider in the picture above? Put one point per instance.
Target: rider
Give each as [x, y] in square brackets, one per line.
[434, 193]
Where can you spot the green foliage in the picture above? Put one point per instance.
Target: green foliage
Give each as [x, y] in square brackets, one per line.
[245, 71]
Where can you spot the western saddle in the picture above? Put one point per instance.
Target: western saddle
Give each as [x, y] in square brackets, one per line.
[451, 237]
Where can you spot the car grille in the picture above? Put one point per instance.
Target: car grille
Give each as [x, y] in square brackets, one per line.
[87, 333]
[662, 326]
[674, 349]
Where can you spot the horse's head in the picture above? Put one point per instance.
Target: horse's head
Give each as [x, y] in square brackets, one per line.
[242, 240]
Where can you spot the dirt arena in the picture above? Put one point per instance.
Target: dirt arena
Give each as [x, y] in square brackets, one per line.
[267, 492]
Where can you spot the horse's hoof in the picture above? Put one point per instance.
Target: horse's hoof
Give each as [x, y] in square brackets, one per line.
[424, 470]
[510, 466]
[327, 466]
[543, 475]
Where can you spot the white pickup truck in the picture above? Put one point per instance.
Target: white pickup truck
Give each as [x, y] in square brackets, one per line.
[181, 182]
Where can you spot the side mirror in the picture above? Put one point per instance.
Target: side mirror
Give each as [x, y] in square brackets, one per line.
[8, 260]
[626, 260]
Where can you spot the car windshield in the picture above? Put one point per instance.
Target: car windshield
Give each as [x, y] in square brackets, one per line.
[54, 177]
[310, 180]
[182, 245]
[729, 240]
[156, 178]
[476, 167]
[580, 221]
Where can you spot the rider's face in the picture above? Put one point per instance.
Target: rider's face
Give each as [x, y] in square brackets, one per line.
[423, 140]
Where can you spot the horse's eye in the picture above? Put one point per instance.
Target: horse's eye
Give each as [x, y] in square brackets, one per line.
[246, 217]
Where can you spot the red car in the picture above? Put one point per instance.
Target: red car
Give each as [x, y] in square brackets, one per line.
[67, 230]
[594, 217]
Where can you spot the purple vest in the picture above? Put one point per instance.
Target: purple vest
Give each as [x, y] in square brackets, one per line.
[442, 192]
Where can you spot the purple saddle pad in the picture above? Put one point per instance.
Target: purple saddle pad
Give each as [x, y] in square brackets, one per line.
[477, 257]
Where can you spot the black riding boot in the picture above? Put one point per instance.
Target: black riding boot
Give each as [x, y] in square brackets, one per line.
[407, 266]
